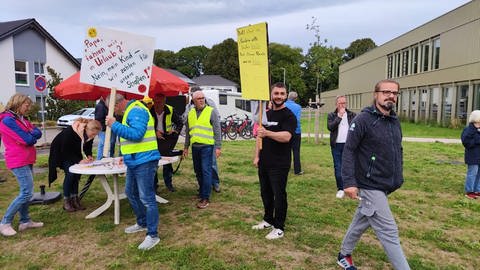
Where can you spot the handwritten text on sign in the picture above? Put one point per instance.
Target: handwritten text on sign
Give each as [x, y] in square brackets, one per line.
[117, 59]
[253, 60]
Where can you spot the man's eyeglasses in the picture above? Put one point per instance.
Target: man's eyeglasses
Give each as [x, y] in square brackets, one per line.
[388, 92]
[200, 98]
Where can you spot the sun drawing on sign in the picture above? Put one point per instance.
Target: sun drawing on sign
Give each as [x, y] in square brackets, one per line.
[92, 32]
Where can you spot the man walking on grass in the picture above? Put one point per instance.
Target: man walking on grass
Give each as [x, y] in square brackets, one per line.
[372, 169]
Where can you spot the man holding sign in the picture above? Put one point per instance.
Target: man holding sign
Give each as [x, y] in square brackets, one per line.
[138, 145]
[273, 162]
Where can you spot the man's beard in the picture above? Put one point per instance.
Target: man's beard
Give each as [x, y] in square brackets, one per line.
[278, 104]
[388, 106]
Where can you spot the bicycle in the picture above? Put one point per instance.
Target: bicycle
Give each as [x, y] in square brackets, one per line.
[245, 129]
[228, 127]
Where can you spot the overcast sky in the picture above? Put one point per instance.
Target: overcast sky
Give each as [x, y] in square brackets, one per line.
[176, 24]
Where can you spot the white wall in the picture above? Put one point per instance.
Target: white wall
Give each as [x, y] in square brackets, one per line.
[7, 70]
[58, 61]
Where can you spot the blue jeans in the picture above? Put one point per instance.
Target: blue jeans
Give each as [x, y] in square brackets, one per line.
[167, 175]
[71, 181]
[215, 178]
[337, 151]
[296, 142]
[472, 180]
[273, 189]
[140, 192]
[101, 143]
[202, 164]
[24, 177]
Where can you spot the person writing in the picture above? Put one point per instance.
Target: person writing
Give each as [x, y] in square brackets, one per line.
[138, 146]
[273, 162]
[71, 146]
[19, 137]
[372, 168]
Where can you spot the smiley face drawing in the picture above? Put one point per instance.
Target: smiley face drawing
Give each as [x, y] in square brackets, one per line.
[92, 32]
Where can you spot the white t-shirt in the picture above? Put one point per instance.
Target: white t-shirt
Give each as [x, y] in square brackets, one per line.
[342, 129]
[160, 122]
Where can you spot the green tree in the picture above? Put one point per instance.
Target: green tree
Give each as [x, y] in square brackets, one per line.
[358, 47]
[287, 60]
[57, 107]
[191, 60]
[164, 58]
[223, 60]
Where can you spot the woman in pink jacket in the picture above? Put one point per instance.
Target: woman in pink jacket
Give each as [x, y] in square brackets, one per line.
[19, 137]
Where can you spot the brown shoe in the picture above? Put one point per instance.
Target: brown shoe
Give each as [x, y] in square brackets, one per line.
[67, 205]
[202, 204]
[76, 204]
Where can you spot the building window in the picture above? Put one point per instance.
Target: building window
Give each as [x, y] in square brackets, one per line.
[21, 73]
[222, 99]
[405, 63]
[389, 66]
[425, 51]
[397, 64]
[38, 69]
[436, 54]
[415, 60]
[243, 104]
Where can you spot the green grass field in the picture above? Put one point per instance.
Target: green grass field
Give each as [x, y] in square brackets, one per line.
[438, 225]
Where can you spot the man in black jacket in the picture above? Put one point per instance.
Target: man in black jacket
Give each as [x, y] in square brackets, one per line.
[371, 169]
[338, 123]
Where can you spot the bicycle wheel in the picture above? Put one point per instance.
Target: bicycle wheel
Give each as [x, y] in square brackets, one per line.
[232, 132]
[247, 132]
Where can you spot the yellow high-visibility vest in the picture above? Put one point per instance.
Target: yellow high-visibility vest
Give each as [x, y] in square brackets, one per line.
[200, 129]
[149, 141]
[168, 119]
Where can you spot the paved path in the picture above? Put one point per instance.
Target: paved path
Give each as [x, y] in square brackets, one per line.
[405, 139]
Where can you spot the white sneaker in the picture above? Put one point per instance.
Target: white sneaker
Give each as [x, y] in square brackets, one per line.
[149, 243]
[262, 225]
[274, 234]
[135, 228]
[7, 230]
[29, 225]
[340, 194]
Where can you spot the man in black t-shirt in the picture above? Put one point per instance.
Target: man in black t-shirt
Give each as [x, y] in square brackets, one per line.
[273, 162]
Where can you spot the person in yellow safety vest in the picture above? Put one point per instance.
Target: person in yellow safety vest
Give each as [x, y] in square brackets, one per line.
[138, 145]
[168, 125]
[204, 134]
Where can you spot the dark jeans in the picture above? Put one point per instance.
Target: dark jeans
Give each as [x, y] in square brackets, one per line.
[337, 151]
[273, 185]
[202, 164]
[296, 141]
[71, 181]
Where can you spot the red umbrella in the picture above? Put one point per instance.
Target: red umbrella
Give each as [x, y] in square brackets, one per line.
[161, 81]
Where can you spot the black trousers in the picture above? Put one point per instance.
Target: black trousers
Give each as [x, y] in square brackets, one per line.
[296, 141]
[273, 185]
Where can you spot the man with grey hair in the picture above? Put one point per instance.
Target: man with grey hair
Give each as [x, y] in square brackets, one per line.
[297, 137]
[338, 122]
[211, 103]
[138, 145]
[204, 135]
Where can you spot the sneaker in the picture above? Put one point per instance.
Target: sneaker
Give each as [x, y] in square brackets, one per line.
[262, 225]
[346, 262]
[300, 173]
[202, 204]
[29, 225]
[216, 187]
[171, 189]
[340, 194]
[7, 230]
[135, 228]
[274, 234]
[471, 195]
[149, 243]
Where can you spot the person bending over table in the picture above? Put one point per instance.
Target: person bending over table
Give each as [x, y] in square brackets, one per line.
[71, 146]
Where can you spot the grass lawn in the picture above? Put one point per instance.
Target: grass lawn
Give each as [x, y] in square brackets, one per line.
[438, 225]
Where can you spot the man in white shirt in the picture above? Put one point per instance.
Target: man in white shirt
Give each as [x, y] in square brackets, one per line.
[338, 123]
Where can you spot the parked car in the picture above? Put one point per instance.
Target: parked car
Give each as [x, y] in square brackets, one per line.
[67, 120]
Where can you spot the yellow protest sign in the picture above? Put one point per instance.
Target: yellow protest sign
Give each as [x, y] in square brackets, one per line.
[253, 59]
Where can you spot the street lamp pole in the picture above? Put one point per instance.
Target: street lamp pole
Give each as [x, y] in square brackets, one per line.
[283, 74]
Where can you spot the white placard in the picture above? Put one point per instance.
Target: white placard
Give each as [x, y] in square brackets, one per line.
[117, 59]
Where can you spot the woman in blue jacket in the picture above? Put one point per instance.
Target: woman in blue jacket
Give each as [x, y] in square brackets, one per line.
[471, 142]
